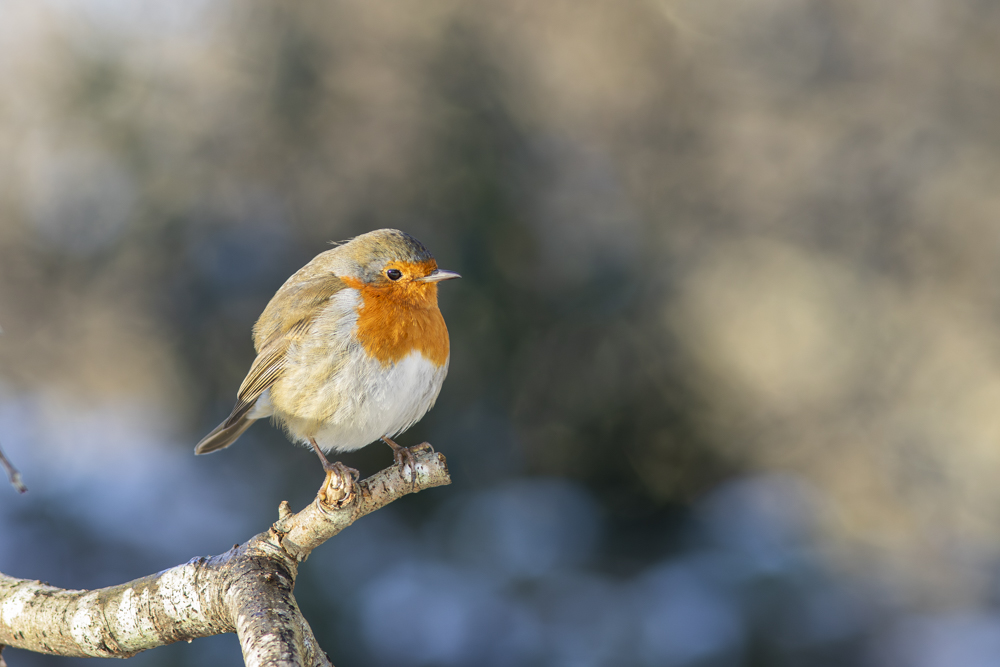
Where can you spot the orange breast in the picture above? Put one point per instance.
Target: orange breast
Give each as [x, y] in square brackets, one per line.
[397, 318]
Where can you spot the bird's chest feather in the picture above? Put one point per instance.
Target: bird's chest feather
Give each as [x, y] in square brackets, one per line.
[391, 324]
[364, 358]
[377, 384]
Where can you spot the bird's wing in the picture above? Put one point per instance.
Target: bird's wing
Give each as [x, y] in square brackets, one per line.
[297, 300]
[285, 320]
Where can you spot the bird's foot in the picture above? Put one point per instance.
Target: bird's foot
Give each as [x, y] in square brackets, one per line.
[338, 485]
[406, 456]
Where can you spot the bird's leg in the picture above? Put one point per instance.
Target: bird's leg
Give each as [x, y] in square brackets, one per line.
[339, 481]
[404, 455]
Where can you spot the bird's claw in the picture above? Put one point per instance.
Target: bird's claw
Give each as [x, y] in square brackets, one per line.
[422, 448]
[338, 485]
[407, 456]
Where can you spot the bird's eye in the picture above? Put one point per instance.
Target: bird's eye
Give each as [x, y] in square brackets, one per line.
[394, 274]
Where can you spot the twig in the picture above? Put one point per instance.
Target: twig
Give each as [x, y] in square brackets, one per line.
[15, 480]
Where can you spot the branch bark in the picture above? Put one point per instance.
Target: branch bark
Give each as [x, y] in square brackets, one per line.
[247, 590]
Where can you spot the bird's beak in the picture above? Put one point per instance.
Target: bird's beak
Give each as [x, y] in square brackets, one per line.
[438, 275]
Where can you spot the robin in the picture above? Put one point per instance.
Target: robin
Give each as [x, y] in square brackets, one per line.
[351, 349]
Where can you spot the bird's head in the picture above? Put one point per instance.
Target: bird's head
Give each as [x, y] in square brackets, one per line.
[390, 263]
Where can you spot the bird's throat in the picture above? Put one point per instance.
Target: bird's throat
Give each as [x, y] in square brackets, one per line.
[395, 320]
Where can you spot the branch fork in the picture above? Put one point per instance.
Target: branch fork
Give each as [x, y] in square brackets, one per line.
[247, 590]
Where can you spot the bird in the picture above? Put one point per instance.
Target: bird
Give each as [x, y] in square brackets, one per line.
[352, 348]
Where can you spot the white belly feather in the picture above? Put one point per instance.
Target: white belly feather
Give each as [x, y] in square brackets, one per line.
[379, 401]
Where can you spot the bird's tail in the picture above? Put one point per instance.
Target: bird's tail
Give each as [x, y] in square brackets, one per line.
[222, 436]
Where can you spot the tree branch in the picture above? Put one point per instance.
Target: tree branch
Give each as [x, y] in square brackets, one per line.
[247, 590]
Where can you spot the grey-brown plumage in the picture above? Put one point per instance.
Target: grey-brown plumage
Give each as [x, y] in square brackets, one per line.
[222, 436]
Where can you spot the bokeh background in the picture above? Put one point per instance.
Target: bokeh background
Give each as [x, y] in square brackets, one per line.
[725, 376]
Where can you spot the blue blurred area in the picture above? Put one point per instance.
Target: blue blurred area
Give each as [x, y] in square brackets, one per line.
[510, 593]
[516, 572]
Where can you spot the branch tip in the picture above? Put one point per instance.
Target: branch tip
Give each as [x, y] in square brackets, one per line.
[15, 480]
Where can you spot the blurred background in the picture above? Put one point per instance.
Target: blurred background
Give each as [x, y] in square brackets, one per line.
[725, 375]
